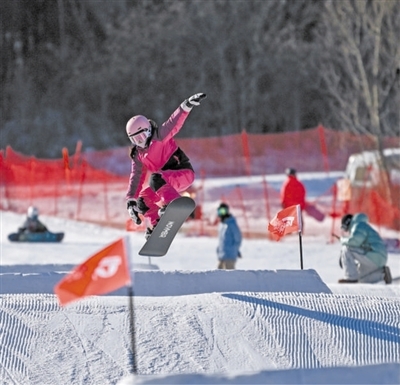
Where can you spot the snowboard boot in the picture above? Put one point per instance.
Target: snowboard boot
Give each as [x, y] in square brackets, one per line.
[149, 231]
[387, 275]
[162, 211]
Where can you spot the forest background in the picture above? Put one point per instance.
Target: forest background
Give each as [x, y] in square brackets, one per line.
[78, 70]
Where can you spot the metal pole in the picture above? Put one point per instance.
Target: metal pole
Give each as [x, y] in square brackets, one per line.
[300, 223]
[131, 311]
[301, 251]
[132, 330]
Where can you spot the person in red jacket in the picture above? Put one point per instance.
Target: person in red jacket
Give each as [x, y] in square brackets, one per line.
[155, 151]
[293, 191]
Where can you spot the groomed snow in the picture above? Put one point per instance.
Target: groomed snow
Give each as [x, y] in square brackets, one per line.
[268, 322]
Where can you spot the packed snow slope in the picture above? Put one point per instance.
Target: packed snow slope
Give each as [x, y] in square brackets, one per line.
[268, 322]
[231, 333]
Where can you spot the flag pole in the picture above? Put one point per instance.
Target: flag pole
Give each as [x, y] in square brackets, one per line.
[132, 330]
[301, 251]
[299, 218]
[133, 357]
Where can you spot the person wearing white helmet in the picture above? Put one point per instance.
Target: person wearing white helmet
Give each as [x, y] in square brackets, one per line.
[154, 150]
[32, 223]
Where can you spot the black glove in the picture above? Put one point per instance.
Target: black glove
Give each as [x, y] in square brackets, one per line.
[239, 254]
[133, 212]
[194, 100]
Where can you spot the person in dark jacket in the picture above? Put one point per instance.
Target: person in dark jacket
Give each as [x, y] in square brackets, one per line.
[32, 223]
[363, 255]
[229, 239]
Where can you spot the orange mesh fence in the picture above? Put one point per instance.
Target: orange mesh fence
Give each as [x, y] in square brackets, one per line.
[91, 185]
[313, 150]
[66, 187]
[317, 149]
[254, 202]
[376, 204]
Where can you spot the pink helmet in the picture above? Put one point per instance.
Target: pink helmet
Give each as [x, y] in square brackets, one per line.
[138, 129]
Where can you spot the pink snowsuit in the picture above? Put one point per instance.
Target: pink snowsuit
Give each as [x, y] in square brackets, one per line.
[166, 162]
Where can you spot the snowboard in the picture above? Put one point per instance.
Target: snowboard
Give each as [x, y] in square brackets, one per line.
[46, 236]
[170, 222]
[312, 211]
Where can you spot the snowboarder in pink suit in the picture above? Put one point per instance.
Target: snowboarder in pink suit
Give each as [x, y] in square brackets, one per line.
[155, 151]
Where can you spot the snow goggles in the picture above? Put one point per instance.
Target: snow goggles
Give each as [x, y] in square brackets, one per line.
[222, 211]
[140, 137]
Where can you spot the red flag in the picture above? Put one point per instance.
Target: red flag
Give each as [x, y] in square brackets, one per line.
[105, 271]
[285, 222]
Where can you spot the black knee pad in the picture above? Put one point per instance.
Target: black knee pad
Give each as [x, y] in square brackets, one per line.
[141, 205]
[156, 181]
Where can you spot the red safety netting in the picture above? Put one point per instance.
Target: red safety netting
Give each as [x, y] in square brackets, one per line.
[67, 187]
[91, 185]
[313, 150]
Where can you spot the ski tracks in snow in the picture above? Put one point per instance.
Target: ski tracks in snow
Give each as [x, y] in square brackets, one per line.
[89, 341]
[42, 343]
[360, 330]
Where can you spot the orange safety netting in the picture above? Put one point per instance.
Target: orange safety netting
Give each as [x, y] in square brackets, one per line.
[313, 150]
[91, 185]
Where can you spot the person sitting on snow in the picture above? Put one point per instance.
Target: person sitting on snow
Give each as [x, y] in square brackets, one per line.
[363, 255]
[32, 223]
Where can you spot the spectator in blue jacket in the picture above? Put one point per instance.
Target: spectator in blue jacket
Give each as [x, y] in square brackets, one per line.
[229, 239]
[363, 255]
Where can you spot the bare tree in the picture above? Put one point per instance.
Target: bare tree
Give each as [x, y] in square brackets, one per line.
[359, 59]
[360, 56]
[91, 65]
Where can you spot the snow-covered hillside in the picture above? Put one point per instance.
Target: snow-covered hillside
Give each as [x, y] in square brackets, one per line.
[268, 322]
[227, 333]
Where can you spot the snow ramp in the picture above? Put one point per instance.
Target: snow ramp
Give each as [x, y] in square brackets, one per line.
[42, 279]
[231, 337]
